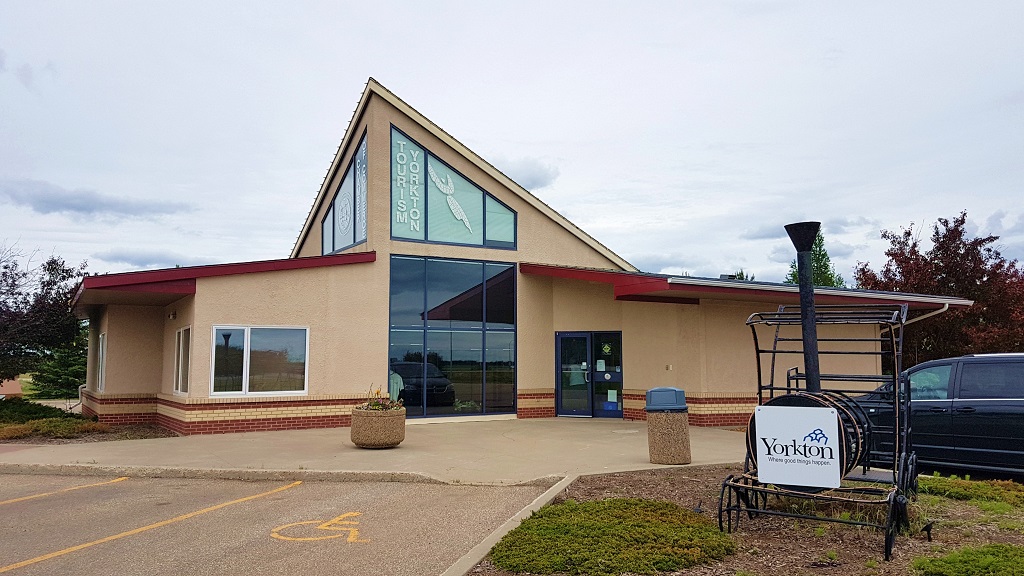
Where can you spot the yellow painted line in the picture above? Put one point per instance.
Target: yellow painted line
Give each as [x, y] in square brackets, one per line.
[59, 553]
[23, 498]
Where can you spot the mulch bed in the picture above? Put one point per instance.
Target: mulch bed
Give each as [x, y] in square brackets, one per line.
[774, 546]
[125, 432]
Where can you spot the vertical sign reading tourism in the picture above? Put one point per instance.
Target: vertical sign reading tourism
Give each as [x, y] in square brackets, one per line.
[407, 186]
[798, 446]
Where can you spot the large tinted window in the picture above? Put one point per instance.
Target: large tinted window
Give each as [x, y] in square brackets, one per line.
[452, 346]
[930, 383]
[432, 201]
[992, 380]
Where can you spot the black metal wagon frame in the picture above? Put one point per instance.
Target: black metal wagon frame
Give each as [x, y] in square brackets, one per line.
[880, 448]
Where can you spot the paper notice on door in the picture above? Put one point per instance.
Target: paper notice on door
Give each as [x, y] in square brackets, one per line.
[613, 395]
[599, 366]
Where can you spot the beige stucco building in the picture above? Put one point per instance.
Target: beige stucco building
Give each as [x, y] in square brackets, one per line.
[425, 272]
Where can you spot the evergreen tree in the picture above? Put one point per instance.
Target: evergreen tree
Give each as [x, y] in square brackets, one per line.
[63, 369]
[824, 273]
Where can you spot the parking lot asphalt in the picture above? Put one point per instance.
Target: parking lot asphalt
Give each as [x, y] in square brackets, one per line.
[211, 504]
[148, 526]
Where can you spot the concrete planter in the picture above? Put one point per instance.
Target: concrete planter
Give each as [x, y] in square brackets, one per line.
[378, 428]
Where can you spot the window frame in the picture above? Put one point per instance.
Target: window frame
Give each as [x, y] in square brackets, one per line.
[427, 156]
[180, 353]
[247, 329]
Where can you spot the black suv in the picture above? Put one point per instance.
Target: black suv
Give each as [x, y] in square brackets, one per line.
[439, 389]
[966, 412]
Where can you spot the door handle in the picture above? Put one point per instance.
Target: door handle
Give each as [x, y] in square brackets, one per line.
[586, 376]
[937, 410]
[967, 410]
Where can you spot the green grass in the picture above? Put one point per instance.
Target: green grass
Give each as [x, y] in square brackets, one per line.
[989, 560]
[611, 537]
[985, 494]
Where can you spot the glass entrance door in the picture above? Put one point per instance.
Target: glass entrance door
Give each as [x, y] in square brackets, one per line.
[589, 374]
[574, 374]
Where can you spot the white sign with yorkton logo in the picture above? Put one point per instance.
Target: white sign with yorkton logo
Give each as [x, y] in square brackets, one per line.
[798, 446]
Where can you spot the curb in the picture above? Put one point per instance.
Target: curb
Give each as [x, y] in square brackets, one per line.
[470, 559]
[251, 475]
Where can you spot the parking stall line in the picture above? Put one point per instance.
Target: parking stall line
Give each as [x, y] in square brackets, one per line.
[160, 524]
[23, 498]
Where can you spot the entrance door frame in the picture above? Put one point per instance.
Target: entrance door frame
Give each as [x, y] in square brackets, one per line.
[593, 410]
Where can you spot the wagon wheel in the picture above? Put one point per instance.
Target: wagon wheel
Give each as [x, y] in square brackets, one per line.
[901, 474]
[912, 476]
[890, 526]
[726, 509]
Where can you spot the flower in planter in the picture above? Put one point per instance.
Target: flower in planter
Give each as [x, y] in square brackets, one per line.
[377, 401]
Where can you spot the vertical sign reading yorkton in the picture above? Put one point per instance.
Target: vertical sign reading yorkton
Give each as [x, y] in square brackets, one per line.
[407, 186]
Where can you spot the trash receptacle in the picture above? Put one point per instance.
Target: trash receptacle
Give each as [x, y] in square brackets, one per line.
[668, 426]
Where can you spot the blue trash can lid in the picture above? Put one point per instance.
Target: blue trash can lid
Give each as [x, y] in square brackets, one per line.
[666, 399]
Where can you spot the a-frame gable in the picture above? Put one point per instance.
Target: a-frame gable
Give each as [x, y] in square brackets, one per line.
[343, 160]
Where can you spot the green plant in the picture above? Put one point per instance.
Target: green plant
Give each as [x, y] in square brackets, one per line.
[377, 401]
[871, 564]
[467, 406]
[991, 559]
[52, 428]
[611, 537]
[19, 411]
[819, 531]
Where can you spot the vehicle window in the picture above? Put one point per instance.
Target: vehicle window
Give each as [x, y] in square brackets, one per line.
[992, 380]
[930, 383]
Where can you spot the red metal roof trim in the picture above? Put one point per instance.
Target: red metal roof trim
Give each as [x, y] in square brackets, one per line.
[182, 280]
[632, 286]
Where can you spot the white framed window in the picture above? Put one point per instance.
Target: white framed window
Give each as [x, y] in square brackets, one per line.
[101, 362]
[267, 360]
[182, 359]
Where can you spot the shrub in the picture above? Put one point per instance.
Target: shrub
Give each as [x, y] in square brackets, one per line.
[611, 537]
[19, 411]
[989, 560]
[52, 428]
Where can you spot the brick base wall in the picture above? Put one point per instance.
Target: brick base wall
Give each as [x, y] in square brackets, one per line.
[536, 412]
[252, 424]
[216, 416]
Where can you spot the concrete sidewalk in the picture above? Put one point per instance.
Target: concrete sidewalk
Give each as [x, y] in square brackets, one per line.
[493, 452]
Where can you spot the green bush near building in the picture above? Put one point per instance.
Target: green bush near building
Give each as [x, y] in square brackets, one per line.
[20, 419]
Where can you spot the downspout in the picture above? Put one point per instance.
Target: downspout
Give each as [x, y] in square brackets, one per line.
[944, 308]
[929, 314]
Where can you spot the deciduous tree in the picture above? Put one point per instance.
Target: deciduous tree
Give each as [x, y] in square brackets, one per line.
[957, 265]
[35, 309]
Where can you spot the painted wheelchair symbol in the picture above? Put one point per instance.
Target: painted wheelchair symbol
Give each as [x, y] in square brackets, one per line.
[346, 528]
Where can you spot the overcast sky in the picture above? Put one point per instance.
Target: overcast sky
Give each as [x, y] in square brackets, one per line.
[682, 135]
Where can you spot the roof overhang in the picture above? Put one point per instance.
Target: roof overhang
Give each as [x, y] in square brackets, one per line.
[161, 287]
[641, 287]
